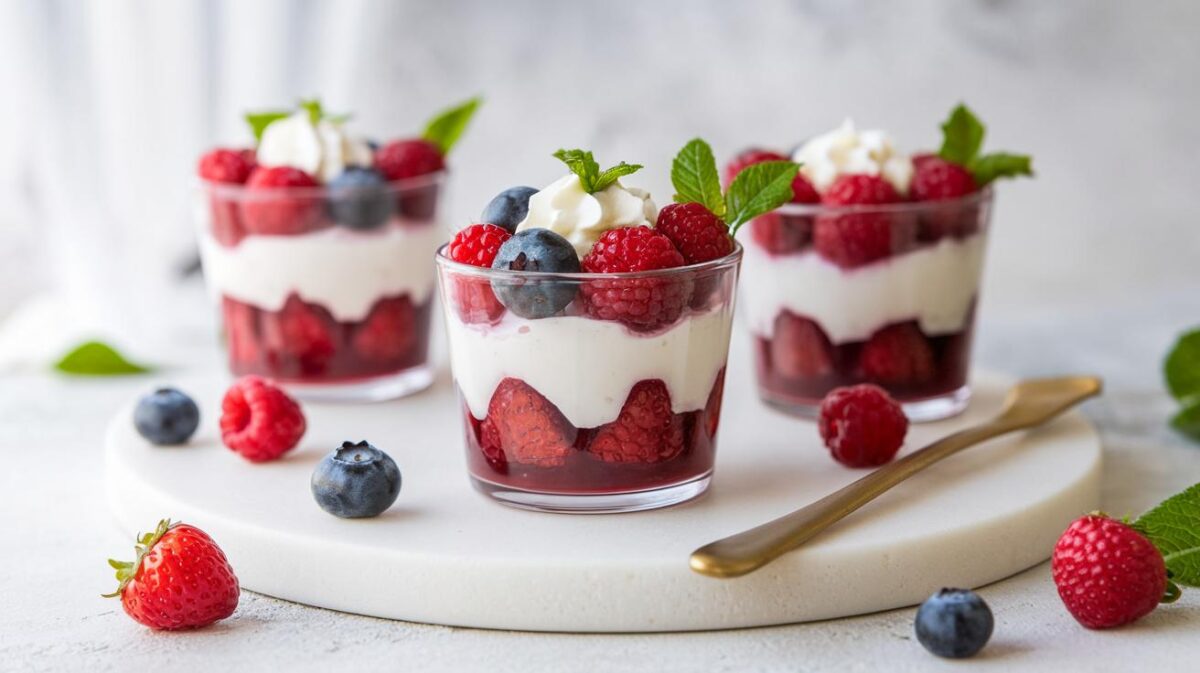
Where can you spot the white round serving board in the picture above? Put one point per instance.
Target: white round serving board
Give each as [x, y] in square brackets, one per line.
[445, 554]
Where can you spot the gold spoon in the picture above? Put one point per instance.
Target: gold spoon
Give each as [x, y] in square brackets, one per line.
[1029, 403]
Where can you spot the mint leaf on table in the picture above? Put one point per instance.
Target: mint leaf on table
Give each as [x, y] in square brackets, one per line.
[695, 178]
[759, 189]
[259, 121]
[94, 358]
[1182, 366]
[583, 164]
[988, 167]
[962, 136]
[1174, 527]
[447, 126]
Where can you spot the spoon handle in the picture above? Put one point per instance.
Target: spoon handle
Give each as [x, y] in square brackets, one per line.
[747, 551]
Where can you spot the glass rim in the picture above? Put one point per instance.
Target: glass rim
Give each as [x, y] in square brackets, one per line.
[232, 190]
[720, 264]
[975, 198]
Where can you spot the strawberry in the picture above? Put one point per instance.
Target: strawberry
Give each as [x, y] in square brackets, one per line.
[179, 580]
[800, 348]
[282, 201]
[260, 421]
[389, 330]
[1107, 573]
[299, 336]
[646, 430]
[897, 355]
[526, 427]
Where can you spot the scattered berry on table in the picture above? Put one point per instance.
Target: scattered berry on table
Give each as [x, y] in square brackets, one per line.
[697, 233]
[359, 198]
[897, 355]
[401, 159]
[954, 623]
[646, 430]
[526, 427]
[260, 421]
[643, 304]
[858, 238]
[1107, 573]
[508, 208]
[538, 250]
[166, 416]
[272, 205]
[356, 481]
[862, 425]
[179, 580]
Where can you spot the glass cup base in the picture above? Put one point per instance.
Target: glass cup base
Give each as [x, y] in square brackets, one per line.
[925, 410]
[594, 503]
[375, 389]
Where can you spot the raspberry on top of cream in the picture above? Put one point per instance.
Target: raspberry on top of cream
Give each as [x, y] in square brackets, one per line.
[567, 209]
[847, 150]
[319, 147]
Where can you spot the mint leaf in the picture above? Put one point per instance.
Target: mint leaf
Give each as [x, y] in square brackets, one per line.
[758, 189]
[1182, 366]
[611, 175]
[1187, 419]
[447, 126]
[1174, 527]
[695, 178]
[962, 136]
[94, 358]
[315, 112]
[582, 164]
[259, 121]
[988, 167]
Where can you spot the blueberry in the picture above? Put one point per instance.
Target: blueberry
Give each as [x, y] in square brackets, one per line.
[166, 416]
[954, 623]
[535, 250]
[356, 481]
[359, 198]
[509, 208]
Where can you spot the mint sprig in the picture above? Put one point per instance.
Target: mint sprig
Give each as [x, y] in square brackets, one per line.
[259, 121]
[94, 358]
[1174, 528]
[757, 189]
[962, 140]
[448, 126]
[583, 164]
[1181, 370]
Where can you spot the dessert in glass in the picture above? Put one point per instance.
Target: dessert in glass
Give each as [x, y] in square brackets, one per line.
[871, 274]
[588, 336]
[316, 246]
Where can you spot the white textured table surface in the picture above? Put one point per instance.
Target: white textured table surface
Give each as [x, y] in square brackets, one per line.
[58, 533]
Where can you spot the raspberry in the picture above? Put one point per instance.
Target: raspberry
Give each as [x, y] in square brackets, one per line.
[800, 348]
[802, 190]
[642, 304]
[268, 211]
[697, 233]
[897, 355]
[260, 421]
[526, 427]
[299, 337]
[781, 234]
[935, 179]
[1107, 573]
[401, 159]
[389, 331]
[477, 245]
[855, 239]
[862, 425]
[712, 408]
[241, 331]
[646, 431]
[225, 166]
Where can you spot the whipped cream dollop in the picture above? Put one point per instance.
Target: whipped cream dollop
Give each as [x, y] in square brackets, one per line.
[565, 208]
[322, 149]
[847, 150]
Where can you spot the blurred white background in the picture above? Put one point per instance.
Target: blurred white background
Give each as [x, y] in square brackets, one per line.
[108, 104]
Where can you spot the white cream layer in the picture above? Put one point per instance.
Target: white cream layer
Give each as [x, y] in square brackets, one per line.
[344, 271]
[587, 367]
[934, 285]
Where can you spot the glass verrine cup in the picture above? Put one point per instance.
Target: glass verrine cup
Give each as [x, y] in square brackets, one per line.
[838, 296]
[579, 413]
[328, 291]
